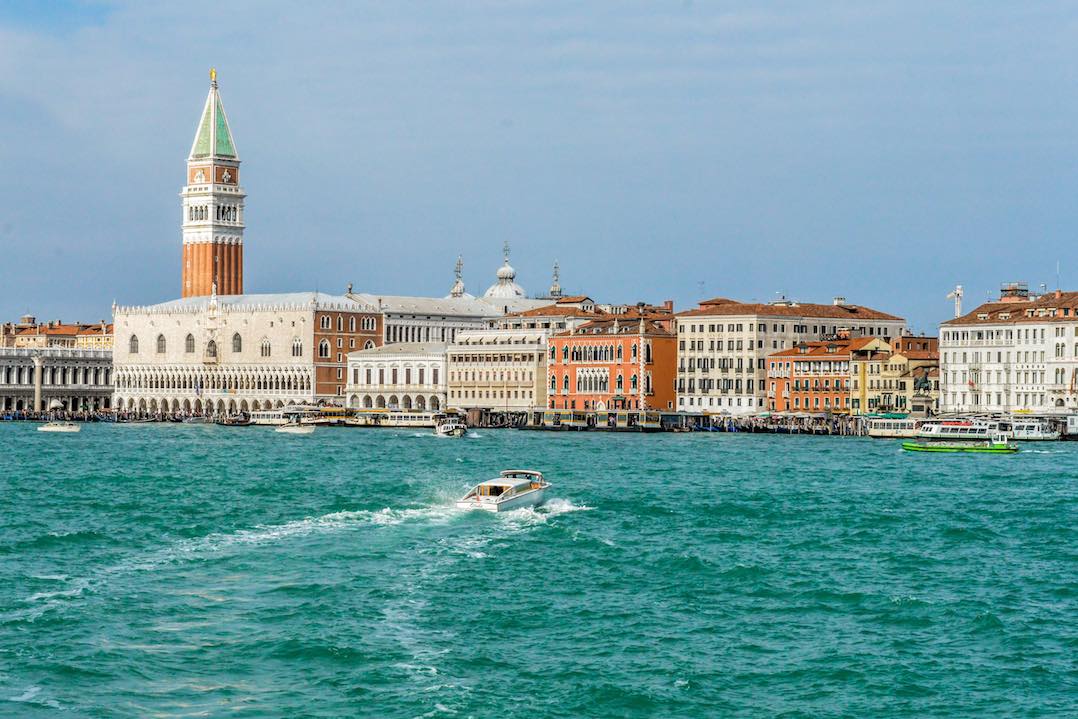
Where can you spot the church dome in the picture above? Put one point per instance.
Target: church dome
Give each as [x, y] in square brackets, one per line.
[506, 286]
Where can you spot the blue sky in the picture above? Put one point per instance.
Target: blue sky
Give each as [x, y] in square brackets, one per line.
[880, 151]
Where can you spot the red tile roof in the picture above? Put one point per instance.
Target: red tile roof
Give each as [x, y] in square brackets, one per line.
[1047, 308]
[720, 306]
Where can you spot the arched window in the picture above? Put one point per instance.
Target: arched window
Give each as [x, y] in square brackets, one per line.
[634, 352]
[132, 345]
[340, 323]
[264, 348]
[189, 344]
[325, 322]
[211, 349]
[565, 383]
[323, 349]
[620, 383]
[632, 381]
[553, 383]
[237, 343]
[297, 347]
[565, 353]
[553, 354]
[619, 353]
[368, 345]
[160, 344]
[352, 323]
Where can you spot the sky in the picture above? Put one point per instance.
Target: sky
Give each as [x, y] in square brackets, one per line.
[880, 151]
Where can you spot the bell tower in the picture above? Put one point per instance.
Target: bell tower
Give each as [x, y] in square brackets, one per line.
[213, 207]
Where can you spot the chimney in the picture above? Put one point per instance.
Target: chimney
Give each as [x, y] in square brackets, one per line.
[668, 305]
[1059, 293]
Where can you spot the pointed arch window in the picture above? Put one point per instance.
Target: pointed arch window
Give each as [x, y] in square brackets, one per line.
[368, 345]
[132, 345]
[264, 348]
[632, 381]
[297, 347]
[160, 344]
[189, 344]
[237, 343]
[211, 349]
[323, 349]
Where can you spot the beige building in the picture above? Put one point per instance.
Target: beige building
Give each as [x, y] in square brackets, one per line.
[28, 333]
[723, 346]
[903, 378]
[405, 376]
[498, 370]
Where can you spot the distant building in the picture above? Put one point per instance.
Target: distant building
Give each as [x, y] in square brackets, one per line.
[32, 377]
[815, 377]
[903, 378]
[221, 355]
[29, 333]
[723, 346]
[619, 362]
[405, 376]
[497, 370]
[1018, 354]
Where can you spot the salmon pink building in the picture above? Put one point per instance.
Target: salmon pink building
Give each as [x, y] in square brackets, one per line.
[815, 376]
[625, 362]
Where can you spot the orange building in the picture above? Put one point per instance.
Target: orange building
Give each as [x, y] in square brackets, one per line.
[625, 362]
[815, 376]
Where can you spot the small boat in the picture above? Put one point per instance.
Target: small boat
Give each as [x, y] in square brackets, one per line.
[295, 428]
[198, 419]
[236, 421]
[513, 489]
[58, 426]
[451, 426]
[998, 444]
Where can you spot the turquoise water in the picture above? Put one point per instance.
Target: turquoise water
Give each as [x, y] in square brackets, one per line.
[190, 571]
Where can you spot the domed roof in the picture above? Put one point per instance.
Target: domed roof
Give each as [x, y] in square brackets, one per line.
[506, 286]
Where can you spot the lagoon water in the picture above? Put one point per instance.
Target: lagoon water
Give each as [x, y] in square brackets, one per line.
[191, 571]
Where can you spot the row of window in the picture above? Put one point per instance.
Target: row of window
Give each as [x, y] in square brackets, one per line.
[597, 353]
[598, 384]
[394, 375]
[366, 324]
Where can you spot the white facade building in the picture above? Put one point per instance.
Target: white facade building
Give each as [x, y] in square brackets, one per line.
[405, 376]
[723, 346]
[220, 355]
[30, 378]
[1016, 355]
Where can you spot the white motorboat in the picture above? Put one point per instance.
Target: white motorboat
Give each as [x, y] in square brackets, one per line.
[58, 426]
[295, 428]
[513, 489]
[451, 426]
[1031, 430]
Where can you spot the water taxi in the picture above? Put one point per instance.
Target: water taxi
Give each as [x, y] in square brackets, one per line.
[997, 444]
[295, 427]
[58, 426]
[513, 489]
[450, 426]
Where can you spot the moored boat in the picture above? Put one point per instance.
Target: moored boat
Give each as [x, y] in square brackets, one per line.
[513, 489]
[1034, 430]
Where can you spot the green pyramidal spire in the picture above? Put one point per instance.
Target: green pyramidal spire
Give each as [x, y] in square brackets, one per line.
[213, 138]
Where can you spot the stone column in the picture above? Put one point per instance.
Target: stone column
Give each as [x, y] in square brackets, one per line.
[39, 365]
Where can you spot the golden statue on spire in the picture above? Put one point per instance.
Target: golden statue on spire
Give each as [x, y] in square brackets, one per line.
[213, 74]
